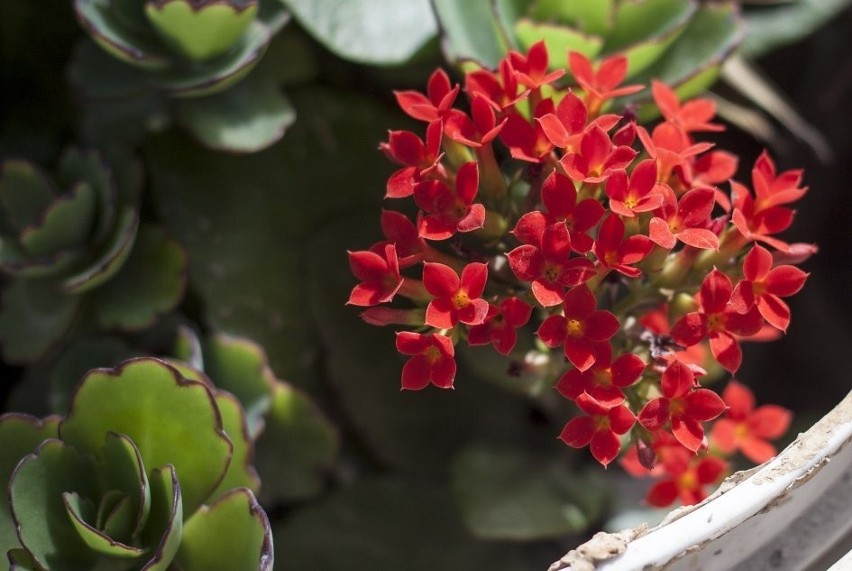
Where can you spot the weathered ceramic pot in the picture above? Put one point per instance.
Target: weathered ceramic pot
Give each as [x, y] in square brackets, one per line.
[791, 513]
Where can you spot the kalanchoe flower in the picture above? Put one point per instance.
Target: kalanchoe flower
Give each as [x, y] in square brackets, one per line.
[685, 219]
[439, 98]
[564, 128]
[687, 479]
[401, 232]
[600, 430]
[379, 275]
[479, 129]
[694, 115]
[579, 327]
[527, 141]
[418, 158]
[601, 84]
[432, 360]
[763, 286]
[746, 428]
[446, 211]
[596, 157]
[532, 69]
[605, 380]
[634, 195]
[615, 252]
[718, 321]
[457, 299]
[673, 150]
[683, 405]
[501, 324]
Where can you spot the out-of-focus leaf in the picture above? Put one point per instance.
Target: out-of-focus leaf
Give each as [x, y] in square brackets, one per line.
[296, 449]
[95, 73]
[590, 16]
[471, 30]
[367, 32]
[770, 28]
[558, 39]
[150, 283]
[388, 525]
[517, 495]
[232, 533]
[240, 471]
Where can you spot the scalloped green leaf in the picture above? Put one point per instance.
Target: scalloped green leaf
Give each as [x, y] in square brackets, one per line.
[94, 539]
[637, 22]
[123, 471]
[239, 366]
[246, 118]
[200, 32]
[590, 16]
[361, 31]
[205, 78]
[558, 39]
[297, 448]
[164, 528]
[88, 166]
[391, 524]
[99, 20]
[770, 28]
[34, 317]
[36, 489]
[521, 496]
[171, 421]
[67, 223]
[25, 193]
[232, 533]
[241, 472]
[471, 30]
[19, 435]
[21, 560]
[150, 284]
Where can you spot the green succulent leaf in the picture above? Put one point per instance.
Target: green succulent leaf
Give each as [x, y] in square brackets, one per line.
[391, 524]
[19, 435]
[25, 193]
[360, 31]
[97, 541]
[21, 560]
[296, 449]
[34, 316]
[164, 528]
[122, 471]
[472, 30]
[521, 496]
[241, 472]
[200, 31]
[771, 28]
[89, 167]
[36, 488]
[558, 39]
[246, 118]
[106, 27]
[170, 419]
[240, 367]
[232, 533]
[150, 284]
[67, 223]
[589, 16]
[96, 74]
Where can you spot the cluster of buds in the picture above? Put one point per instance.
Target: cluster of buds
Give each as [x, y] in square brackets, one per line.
[537, 209]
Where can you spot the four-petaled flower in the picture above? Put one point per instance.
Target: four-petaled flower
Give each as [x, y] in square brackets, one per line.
[417, 157]
[688, 476]
[605, 380]
[379, 275]
[683, 405]
[432, 360]
[746, 428]
[684, 219]
[596, 157]
[630, 197]
[456, 299]
[501, 324]
[439, 98]
[719, 321]
[600, 85]
[445, 211]
[580, 326]
[600, 429]
[615, 252]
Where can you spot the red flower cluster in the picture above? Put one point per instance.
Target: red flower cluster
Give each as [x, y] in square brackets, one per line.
[619, 242]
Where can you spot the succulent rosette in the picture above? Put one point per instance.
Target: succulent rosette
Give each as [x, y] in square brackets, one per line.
[138, 475]
[65, 239]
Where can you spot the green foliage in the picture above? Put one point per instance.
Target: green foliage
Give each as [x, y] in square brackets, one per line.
[127, 478]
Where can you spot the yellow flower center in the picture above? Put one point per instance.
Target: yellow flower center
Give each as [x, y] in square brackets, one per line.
[574, 327]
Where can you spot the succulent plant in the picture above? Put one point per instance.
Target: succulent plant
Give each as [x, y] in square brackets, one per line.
[136, 476]
[65, 239]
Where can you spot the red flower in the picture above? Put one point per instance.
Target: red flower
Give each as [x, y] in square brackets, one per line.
[478, 129]
[694, 115]
[439, 98]
[602, 84]
[379, 275]
[685, 219]
[617, 253]
[527, 141]
[687, 481]
[685, 406]
[500, 325]
[565, 126]
[531, 70]
[431, 360]
[550, 267]
[579, 328]
[560, 199]
[719, 321]
[419, 158]
[500, 88]
[456, 299]
[596, 158]
[747, 429]
[448, 211]
[629, 197]
[764, 286]
[401, 232]
[600, 429]
[672, 148]
[605, 379]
